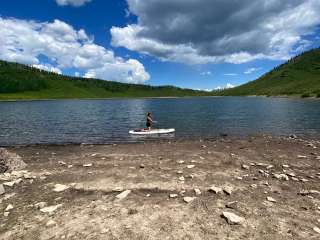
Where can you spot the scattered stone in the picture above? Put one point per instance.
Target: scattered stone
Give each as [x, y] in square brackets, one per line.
[190, 166]
[93, 155]
[232, 205]
[105, 230]
[203, 146]
[304, 180]
[148, 195]
[40, 205]
[142, 166]
[269, 167]
[10, 161]
[181, 178]
[270, 199]
[188, 199]
[51, 223]
[285, 166]
[70, 166]
[239, 178]
[197, 191]
[295, 179]
[180, 161]
[228, 190]
[180, 172]
[244, 166]
[215, 189]
[2, 190]
[123, 195]
[281, 176]
[293, 136]
[43, 177]
[173, 195]
[254, 185]
[232, 218]
[50, 209]
[60, 187]
[9, 207]
[291, 174]
[87, 165]
[308, 192]
[9, 184]
[6, 214]
[316, 229]
[301, 156]
[62, 163]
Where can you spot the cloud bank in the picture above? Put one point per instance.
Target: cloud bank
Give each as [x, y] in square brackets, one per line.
[75, 3]
[210, 31]
[65, 47]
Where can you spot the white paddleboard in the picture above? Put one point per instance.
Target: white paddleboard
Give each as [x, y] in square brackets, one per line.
[152, 131]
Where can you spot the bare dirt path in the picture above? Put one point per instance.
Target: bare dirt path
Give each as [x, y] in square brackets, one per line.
[177, 190]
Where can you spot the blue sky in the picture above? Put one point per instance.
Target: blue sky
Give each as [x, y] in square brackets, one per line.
[194, 44]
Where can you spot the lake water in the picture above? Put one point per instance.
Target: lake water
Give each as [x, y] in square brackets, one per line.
[107, 121]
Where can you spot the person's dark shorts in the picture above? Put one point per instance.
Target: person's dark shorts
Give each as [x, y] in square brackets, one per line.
[148, 124]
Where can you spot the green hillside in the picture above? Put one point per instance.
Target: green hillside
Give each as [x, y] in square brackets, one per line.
[299, 76]
[19, 81]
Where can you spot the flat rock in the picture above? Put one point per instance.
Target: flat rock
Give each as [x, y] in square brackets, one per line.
[215, 189]
[2, 190]
[190, 166]
[189, 199]
[60, 188]
[244, 166]
[123, 195]
[270, 199]
[281, 176]
[180, 161]
[87, 165]
[50, 209]
[51, 223]
[6, 214]
[285, 166]
[232, 218]
[9, 184]
[173, 195]
[316, 229]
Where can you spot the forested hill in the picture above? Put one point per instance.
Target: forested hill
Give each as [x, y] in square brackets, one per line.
[18, 81]
[299, 76]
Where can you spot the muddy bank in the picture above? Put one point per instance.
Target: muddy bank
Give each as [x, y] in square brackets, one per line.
[254, 188]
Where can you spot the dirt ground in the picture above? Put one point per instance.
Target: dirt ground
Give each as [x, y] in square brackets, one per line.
[273, 185]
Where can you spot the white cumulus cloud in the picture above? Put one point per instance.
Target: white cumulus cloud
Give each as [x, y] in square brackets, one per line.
[75, 3]
[211, 31]
[227, 86]
[251, 70]
[26, 41]
[47, 67]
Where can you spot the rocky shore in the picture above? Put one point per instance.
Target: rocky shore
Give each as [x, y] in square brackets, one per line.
[253, 188]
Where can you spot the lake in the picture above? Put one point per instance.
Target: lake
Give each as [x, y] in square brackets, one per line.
[108, 121]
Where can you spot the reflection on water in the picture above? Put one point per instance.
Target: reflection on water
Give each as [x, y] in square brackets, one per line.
[105, 121]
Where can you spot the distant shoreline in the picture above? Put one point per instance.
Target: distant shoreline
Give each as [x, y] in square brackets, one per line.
[169, 97]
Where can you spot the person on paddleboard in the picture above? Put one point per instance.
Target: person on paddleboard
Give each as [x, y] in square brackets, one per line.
[149, 121]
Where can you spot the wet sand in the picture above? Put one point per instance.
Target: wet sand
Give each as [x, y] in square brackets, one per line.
[271, 184]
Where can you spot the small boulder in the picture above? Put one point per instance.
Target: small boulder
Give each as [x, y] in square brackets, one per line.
[228, 190]
[215, 189]
[190, 166]
[244, 166]
[189, 199]
[60, 188]
[316, 229]
[232, 218]
[9, 208]
[87, 165]
[197, 191]
[123, 195]
[50, 209]
[10, 161]
[232, 205]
